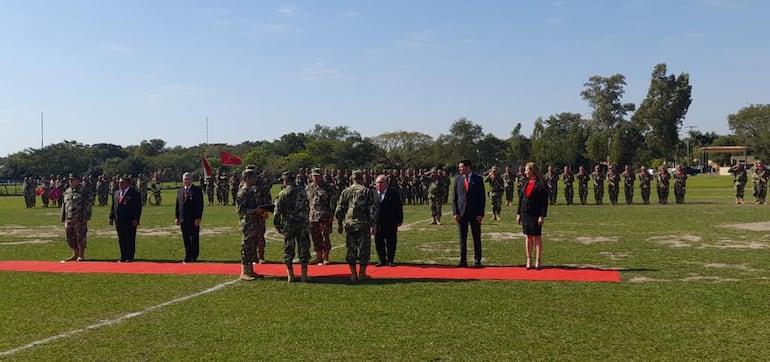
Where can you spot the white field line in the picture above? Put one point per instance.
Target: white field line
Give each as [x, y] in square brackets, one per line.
[114, 321]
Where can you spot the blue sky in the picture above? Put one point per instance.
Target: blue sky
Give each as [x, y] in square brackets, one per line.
[125, 71]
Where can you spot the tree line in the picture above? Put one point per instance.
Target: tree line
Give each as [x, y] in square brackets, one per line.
[616, 133]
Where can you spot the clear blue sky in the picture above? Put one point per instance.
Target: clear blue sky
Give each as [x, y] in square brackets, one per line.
[124, 71]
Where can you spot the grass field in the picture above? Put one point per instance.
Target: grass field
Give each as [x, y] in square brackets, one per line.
[695, 287]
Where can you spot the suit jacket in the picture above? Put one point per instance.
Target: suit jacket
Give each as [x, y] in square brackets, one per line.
[471, 202]
[126, 210]
[391, 211]
[187, 210]
[536, 204]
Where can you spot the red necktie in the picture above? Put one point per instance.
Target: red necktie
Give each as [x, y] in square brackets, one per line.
[466, 183]
[120, 199]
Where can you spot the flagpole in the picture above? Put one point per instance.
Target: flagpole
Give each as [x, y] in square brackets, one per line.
[41, 130]
[207, 130]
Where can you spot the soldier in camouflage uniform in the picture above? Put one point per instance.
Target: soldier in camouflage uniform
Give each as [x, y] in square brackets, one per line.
[141, 186]
[252, 223]
[357, 211]
[762, 176]
[521, 179]
[435, 197]
[645, 179]
[496, 191]
[210, 190]
[598, 178]
[103, 190]
[46, 185]
[739, 180]
[569, 189]
[613, 185]
[75, 214]
[291, 220]
[444, 183]
[628, 184]
[509, 181]
[28, 190]
[552, 181]
[582, 179]
[754, 173]
[322, 198]
[234, 183]
[663, 179]
[680, 185]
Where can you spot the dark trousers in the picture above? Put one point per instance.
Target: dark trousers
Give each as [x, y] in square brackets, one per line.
[191, 238]
[462, 227]
[385, 242]
[126, 240]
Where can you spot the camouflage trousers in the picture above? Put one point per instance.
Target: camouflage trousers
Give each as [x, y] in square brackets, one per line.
[298, 238]
[253, 230]
[508, 194]
[646, 195]
[569, 194]
[598, 194]
[320, 234]
[739, 188]
[552, 194]
[583, 193]
[762, 192]
[497, 203]
[358, 244]
[614, 191]
[663, 195]
[76, 234]
[679, 193]
[210, 194]
[435, 206]
[629, 193]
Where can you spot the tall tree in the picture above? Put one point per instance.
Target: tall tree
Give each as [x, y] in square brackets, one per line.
[462, 140]
[403, 149]
[752, 124]
[562, 140]
[661, 114]
[605, 95]
[520, 147]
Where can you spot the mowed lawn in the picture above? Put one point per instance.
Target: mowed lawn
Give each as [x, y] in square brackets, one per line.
[695, 287]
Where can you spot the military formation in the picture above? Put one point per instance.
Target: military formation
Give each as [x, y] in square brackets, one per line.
[99, 189]
[758, 174]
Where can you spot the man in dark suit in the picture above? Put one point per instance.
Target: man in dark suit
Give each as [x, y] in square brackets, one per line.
[390, 217]
[125, 214]
[189, 211]
[468, 205]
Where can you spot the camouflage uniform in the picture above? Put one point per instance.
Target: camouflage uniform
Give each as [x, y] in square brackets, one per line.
[75, 213]
[322, 199]
[613, 185]
[211, 189]
[663, 178]
[103, 190]
[234, 184]
[552, 181]
[509, 181]
[739, 179]
[496, 190]
[252, 225]
[762, 176]
[291, 220]
[141, 186]
[582, 179]
[28, 189]
[46, 189]
[628, 185]
[435, 197]
[569, 189]
[680, 185]
[598, 180]
[357, 211]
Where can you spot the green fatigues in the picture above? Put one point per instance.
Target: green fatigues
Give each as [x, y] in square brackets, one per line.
[251, 224]
[75, 213]
[291, 220]
[569, 189]
[496, 189]
[663, 179]
[435, 198]
[762, 185]
[680, 185]
[210, 190]
[357, 212]
[613, 187]
[644, 186]
[552, 181]
[582, 179]
[322, 200]
[510, 181]
[598, 179]
[628, 186]
[739, 179]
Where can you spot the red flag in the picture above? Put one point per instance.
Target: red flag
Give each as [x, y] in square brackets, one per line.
[206, 167]
[229, 159]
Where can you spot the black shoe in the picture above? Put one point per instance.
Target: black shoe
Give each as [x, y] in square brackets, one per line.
[478, 265]
[380, 264]
[390, 263]
[462, 265]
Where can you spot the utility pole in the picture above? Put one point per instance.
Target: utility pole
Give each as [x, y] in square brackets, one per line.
[207, 130]
[689, 135]
[41, 130]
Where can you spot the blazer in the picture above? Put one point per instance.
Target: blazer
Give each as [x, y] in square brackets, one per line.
[187, 210]
[391, 211]
[127, 210]
[471, 202]
[536, 204]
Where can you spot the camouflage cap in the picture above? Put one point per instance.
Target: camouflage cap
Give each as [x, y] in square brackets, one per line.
[73, 175]
[315, 172]
[287, 174]
[248, 172]
[357, 174]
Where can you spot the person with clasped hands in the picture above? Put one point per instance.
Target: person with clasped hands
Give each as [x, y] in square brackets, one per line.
[532, 210]
[188, 215]
[468, 202]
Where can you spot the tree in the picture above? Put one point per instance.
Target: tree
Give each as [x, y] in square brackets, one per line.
[661, 114]
[604, 95]
[559, 140]
[403, 149]
[461, 142]
[150, 148]
[519, 147]
[339, 133]
[492, 151]
[752, 124]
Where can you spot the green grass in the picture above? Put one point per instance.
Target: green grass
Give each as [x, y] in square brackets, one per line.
[693, 288]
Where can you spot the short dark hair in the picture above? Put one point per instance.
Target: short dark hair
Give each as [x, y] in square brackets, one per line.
[466, 163]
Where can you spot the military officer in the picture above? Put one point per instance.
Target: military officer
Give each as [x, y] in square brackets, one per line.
[356, 214]
[75, 214]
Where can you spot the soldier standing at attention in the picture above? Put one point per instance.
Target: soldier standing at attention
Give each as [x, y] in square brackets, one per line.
[762, 182]
[234, 185]
[680, 184]
[322, 200]
[663, 179]
[141, 186]
[291, 220]
[613, 185]
[75, 214]
[582, 179]
[569, 190]
[628, 184]
[644, 184]
[509, 180]
[251, 224]
[496, 189]
[598, 180]
[210, 190]
[552, 181]
[521, 178]
[357, 212]
[754, 174]
[739, 179]
[434, 197]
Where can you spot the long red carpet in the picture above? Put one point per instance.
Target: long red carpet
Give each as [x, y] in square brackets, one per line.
[404, 271]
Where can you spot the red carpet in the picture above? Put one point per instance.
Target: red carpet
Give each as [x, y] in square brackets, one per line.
[405, 271]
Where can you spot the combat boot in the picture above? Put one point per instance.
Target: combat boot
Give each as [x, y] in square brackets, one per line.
[246, 271]
[81, 254]
[326, 257]
[318, 258]
[261, 254]
[353, 274]
[304, 273]
[362, 273]
[252, 273]
[290, 273]
[74, 255]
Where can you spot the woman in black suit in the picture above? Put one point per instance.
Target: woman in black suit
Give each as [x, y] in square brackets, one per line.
[533, 207]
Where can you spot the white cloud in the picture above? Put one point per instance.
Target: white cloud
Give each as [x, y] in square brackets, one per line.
[288, 11]
[414, 40]
[320, 71]
[350, 13]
